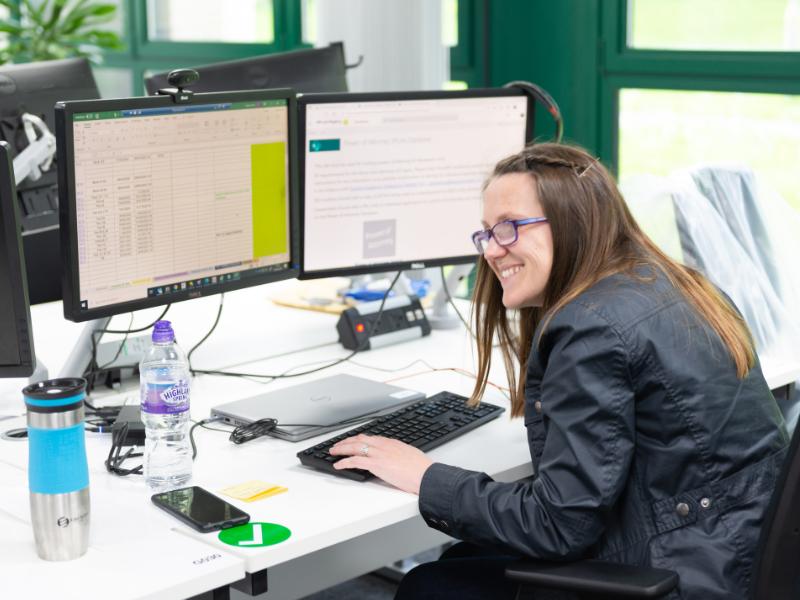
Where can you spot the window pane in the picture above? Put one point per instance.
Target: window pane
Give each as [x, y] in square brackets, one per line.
[750, 25]
[117, 24]
[661, 131]
[243, 21]
[113, 82]
[308, 19]
[450, 23]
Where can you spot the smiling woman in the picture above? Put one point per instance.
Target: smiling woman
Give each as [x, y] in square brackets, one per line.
[640, 391]
[521, 260]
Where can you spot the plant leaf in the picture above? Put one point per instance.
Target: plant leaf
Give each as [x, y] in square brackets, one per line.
[58, 28]
[34, 13]
[10, 28]
[55, 13]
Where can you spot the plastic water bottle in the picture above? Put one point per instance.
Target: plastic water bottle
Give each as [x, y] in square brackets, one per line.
[164, 392]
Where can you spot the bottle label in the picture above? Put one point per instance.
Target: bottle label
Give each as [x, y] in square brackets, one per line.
[166, 398]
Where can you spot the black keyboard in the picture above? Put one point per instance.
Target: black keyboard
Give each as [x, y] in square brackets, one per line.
[426, 425]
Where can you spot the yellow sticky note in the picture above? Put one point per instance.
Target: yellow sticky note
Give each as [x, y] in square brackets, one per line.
[250, 491]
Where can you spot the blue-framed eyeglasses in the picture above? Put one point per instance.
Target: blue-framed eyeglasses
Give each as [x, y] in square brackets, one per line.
[504, 233]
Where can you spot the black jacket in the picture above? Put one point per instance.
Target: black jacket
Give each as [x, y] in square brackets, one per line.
[648, 449]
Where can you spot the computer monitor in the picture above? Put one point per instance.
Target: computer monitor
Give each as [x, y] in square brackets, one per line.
[309, 70]
[392, 180]
[35, 88]
[162, 201]
[16, 338]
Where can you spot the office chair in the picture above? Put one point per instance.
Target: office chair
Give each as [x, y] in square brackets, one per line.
[732, 191]
[724, 255]
[776, 572]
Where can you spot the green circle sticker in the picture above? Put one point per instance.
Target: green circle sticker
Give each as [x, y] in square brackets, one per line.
[253, 535]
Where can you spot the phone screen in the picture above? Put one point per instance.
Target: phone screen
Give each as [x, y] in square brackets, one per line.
[200, 509]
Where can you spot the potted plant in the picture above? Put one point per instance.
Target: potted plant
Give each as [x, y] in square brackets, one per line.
[51, 29]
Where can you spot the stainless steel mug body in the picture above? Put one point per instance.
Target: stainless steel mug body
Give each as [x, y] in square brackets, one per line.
[58, 475]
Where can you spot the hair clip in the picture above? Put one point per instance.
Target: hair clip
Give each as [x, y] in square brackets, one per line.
[587, 167]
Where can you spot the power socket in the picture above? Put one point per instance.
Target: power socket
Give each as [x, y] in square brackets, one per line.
[402, 319]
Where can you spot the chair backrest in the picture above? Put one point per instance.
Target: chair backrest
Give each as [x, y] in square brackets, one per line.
[776, 575]
[732, 191]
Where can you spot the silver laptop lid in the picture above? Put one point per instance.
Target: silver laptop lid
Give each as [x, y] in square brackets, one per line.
[312, 408]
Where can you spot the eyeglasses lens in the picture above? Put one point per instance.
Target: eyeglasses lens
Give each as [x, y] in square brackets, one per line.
[504, 233]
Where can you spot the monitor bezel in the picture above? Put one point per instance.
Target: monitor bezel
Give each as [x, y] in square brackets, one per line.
[329, 98]
[10, 222]
[67, 203]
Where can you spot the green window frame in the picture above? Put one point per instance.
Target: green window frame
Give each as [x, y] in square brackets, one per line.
[142, 54]
[689, 70]
[468, 60]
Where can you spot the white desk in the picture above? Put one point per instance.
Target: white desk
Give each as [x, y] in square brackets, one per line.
[128, 557]
[340, 528]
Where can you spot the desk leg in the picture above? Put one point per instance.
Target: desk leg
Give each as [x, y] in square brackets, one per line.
[253, 584]
[221, 593]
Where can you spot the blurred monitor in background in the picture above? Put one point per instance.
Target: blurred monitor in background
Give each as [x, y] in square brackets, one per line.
[305, 71]
[16, 337]
[33, 89]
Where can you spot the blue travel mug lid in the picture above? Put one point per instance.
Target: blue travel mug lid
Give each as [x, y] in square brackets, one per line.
[55, 395]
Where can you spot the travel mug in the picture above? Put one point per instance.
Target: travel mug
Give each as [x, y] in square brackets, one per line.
[58, 475]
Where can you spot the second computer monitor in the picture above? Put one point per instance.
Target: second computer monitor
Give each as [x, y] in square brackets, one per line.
[306, 70]
[164, 201]
[35, 88]
[393, 180]
[16, 338]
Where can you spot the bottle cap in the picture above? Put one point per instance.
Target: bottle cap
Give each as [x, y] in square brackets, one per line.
[162, 332]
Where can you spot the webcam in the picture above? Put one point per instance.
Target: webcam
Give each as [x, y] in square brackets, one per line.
[179, 79]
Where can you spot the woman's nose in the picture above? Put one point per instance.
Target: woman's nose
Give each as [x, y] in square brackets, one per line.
[493, 249]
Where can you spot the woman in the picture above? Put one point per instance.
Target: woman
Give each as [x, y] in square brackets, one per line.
[654, 437]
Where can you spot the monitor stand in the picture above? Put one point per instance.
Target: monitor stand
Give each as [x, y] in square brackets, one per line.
[122, 367]
[441, 315]
[80, 357]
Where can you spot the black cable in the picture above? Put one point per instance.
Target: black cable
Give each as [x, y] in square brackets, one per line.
[206, 336]
[539, 93]
[94, 369]
[458, 312]
[339, 361]
[115, 457]
[191, 437]
[140, 329]
[121, 346]
[257, 429]
[453, 304]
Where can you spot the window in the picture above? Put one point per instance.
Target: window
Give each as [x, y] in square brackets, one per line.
[243, 21]
[160, 35]
[661, 131]
[735, 25]
[681, 88]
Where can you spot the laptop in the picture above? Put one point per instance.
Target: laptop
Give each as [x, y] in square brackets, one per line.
[318, 406]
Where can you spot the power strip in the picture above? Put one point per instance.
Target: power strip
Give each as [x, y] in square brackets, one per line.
[403, 319]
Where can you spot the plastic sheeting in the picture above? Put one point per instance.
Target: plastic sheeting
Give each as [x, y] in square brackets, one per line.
[746, 240]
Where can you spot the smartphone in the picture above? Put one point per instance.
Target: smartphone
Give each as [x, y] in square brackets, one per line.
[200, 509]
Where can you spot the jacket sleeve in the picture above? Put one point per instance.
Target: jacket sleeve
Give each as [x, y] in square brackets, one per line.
[588, 403]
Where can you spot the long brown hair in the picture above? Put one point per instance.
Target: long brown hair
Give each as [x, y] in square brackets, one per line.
[594, 236]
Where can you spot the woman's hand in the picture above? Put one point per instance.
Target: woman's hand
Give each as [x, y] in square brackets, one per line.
[393, 461]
